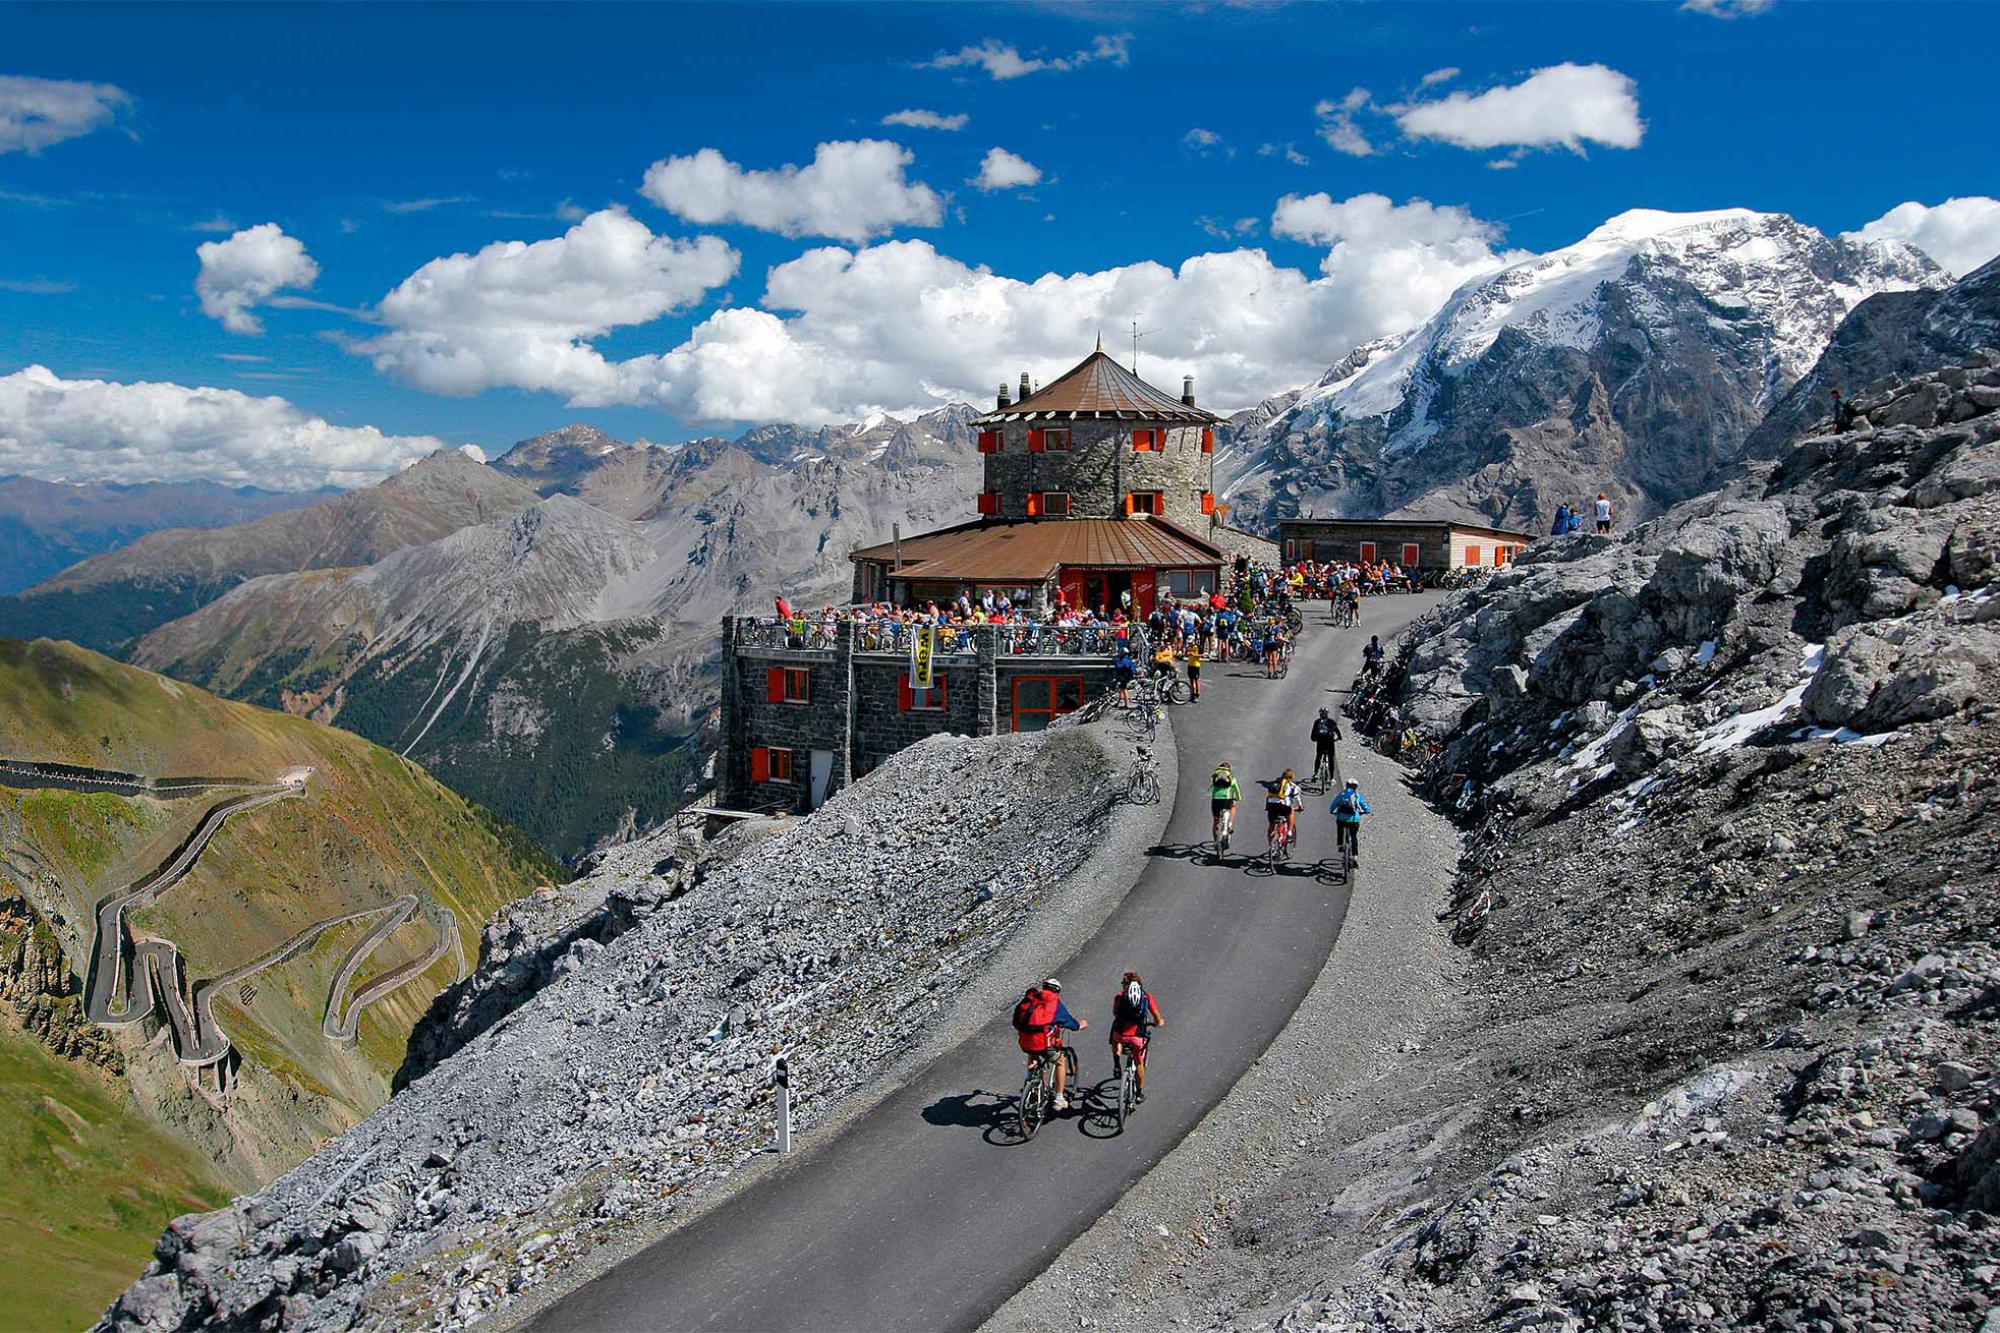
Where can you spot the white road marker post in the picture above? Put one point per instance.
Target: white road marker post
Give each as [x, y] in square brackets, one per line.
[781, 1085]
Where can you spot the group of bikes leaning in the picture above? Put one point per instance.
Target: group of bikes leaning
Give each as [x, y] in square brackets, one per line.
[1041, 1018]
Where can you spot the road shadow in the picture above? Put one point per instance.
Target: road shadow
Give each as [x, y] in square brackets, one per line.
[1099, 1117]
[993, 1114]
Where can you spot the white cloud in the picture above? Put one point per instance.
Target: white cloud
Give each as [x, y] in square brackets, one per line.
[1727, 9]
[36, 113]
[852, 191]
[842, 331]
[246, 270]
[1002, 60]
[1960, 234]
[1002, 170]
[1437, 76]
[1205, 142]
[1337, 127]
[1405, 258]
[96, 430]
[918, 119]
[426, 205]
[521, 314]
[1565, 106]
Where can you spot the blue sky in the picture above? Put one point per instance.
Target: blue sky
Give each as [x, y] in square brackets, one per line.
[381, 139]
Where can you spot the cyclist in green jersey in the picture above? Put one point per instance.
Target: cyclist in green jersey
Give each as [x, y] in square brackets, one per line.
[1223, 794]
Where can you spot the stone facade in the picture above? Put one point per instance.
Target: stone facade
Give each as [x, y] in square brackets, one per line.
[1441, 544]
[1101, 467]
[856, 711]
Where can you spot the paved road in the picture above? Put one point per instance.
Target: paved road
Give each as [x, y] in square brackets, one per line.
[920, 1215]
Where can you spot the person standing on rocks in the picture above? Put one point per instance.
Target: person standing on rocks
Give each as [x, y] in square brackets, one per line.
[1603, 512]
[1843, 414]
[1561, 525]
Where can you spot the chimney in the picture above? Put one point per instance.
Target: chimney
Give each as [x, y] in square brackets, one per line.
[1025, 390]
[1187, 390]
[1003, 393]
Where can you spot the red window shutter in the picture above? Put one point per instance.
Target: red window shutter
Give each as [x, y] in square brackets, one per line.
[1207, 440]
[938, 684]
[774, 685]
[989, 441]
[1142, 440]
[760, 764]
[904, 699]
[989, 502]
[1128, 502]
[1035, 441]
[1207, 502]
[1034, 503]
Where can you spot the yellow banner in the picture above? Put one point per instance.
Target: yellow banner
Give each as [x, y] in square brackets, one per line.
[922, 646]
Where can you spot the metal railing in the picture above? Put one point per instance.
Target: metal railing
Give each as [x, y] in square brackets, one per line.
[894, 637]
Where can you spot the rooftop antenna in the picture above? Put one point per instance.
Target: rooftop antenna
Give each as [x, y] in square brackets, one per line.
[1136, 336]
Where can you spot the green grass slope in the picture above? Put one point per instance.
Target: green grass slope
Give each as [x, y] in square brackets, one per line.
[371, 827]
[86, 1183]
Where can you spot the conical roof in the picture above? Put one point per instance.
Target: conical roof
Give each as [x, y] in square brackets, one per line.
[1100, 387]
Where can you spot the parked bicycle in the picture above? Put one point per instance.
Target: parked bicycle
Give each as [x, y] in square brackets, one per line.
[1142, 786]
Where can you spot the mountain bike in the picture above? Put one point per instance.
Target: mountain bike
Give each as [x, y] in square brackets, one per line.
[1278, 842]
[1162, 690]
[1126, 1069]
[1142, 787]
[1325, 773]
[1143, 722]
[1038, 1090]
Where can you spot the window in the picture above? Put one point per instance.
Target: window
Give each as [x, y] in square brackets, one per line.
[770, 764]
[1207, 440]
[788, 685]
[1368, 553]
[1040, 700]
[1145, 502]
[1148, 441]
[989, 502]
[1055, 504]
[1410, 554]
[1183, 583]
[1291, 550]
[989, 441]
[1049, 440]
[1472, 555]
[913, 700]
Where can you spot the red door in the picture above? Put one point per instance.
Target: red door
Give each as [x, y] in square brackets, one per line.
[1142, 591]
[1071, 583]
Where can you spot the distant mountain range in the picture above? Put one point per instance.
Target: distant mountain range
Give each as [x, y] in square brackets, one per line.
[47, 526]
[1635, 362]
[553, 660]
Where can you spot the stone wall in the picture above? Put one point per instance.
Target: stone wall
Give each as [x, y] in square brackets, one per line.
[854, 707]
[1100, 468]
[1238, 544]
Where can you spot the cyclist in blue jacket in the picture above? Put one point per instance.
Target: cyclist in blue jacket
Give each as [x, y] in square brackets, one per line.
[1347, 809]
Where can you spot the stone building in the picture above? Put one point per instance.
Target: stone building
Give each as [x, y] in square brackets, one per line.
[1096, 486]
[1433, 544]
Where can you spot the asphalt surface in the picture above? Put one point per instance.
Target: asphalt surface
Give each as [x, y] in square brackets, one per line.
[925, 1213]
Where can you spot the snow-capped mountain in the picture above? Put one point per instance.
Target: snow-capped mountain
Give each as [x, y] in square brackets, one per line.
[1634, 362]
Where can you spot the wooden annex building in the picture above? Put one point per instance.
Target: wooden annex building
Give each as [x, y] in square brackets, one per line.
[1415, 543]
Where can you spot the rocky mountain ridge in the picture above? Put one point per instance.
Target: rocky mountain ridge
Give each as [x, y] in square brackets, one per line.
[47, 526]
[1636, 361]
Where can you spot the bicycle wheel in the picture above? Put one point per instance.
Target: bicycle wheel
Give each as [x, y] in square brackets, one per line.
[1149, 788]
[1179, 692]
[1126, 1087]
[1034, 1103]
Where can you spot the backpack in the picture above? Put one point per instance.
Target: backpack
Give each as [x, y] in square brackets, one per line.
[1032, 1018]
[1125, 1014]
[1345, 804]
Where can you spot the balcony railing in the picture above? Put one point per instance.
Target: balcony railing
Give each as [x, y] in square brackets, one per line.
[894, 637]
